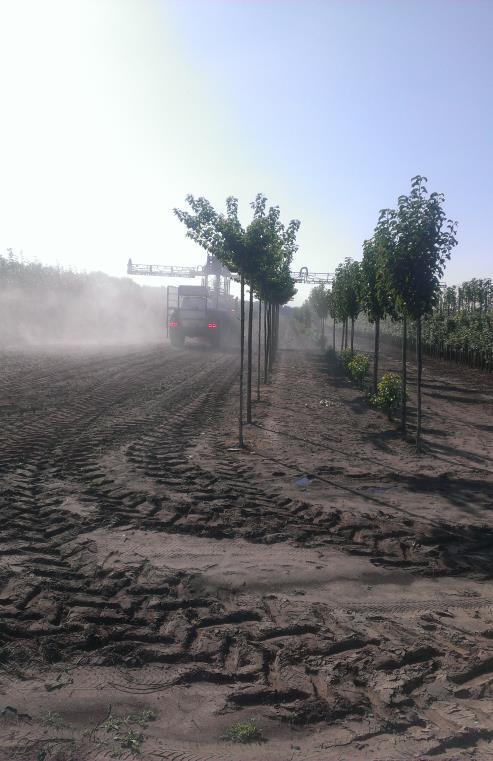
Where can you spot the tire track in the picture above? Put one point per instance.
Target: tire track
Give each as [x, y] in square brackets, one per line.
[301, 662]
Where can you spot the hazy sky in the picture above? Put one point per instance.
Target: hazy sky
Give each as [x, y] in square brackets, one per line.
[113, 110]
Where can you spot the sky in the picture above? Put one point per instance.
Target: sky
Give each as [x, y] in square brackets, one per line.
[114, 110]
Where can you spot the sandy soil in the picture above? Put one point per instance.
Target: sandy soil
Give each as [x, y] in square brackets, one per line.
[157, 586]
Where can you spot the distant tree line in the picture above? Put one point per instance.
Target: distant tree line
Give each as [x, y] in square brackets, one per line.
[40, 304]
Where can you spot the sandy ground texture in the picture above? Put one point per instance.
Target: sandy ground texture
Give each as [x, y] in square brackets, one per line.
[326, 586]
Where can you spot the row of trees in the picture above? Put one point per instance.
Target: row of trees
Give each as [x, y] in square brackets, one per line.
[473, 296]
[460, 328]
[260, 256]
[42, 304]
[398, 277]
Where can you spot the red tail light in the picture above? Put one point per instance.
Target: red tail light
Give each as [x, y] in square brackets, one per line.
[212, 325]
[173, 324]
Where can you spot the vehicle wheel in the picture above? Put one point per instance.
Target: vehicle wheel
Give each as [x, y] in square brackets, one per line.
[177, 339]
[215, 341]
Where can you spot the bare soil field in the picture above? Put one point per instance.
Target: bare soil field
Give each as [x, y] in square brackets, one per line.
[158, 586]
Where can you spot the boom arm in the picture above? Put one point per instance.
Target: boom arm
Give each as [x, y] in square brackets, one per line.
[214, 267]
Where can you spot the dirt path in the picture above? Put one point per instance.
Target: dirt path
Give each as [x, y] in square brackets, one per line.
[327, 583]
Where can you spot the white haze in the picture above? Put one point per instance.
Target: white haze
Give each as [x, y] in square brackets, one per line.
[43, 306]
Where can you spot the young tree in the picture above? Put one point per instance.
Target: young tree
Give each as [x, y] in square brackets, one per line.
[273, 246]
[223, 236]
[385, 235]
[338, 303]
[353, 294]
[422, 242]
[376, 300]
[320, 301]
[254, 253]
[346, 289]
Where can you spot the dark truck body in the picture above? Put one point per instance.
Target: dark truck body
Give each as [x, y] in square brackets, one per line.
[195, 311]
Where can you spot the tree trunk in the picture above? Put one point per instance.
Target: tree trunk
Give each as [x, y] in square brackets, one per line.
[271, 336]
[419, 364]
[242, 358]
[266, 345]
[259, 347]
[375, 359]
[404, 375]
[276, 330]
[278, 317]
[352, 335]
[346, 332]
[334, 334]
[342, 335]
[249, 357]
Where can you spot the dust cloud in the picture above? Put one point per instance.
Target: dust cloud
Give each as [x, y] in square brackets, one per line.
[42, 306]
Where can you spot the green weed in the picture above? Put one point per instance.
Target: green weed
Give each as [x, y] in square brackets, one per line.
[244, 732]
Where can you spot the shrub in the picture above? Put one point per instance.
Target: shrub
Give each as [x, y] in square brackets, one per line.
[346, 356]
[358, 367]
[389, 393]
[247, 732]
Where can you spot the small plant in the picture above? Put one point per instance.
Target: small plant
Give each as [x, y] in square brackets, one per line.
[124, 736]
[142, 719]
[113, 724]
[132, 740]
[346, 356]
[52, 719]
[389, 394]
[358, 367]
[246, 732]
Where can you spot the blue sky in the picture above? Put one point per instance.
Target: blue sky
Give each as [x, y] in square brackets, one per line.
[118, 108]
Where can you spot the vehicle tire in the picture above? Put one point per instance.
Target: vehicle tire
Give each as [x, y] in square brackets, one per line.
[177, 339]
[215, 341]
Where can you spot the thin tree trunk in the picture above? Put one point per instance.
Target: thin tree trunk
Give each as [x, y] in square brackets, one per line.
[272, 335]
[242, 358]
[266, 345]
[419, 364]
[259, 347]
[352, 335]
[249, 357]
[404, 375]
[375, 359]
[334, 334]
[276, 330]
[273, 338]
[346, 333]
[342, 334]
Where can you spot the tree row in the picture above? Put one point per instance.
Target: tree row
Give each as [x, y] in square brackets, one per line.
[398, 278]
[259, 256]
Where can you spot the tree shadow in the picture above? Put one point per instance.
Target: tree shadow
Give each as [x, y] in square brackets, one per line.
[382, 440]
[482, 427]
[464, 492]
[439, 432]
[358, 405]
[445, 386]
[436, 448]
[467, 549]
[457, 399]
